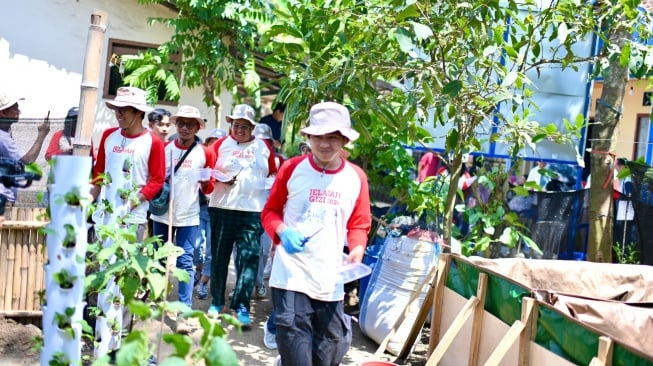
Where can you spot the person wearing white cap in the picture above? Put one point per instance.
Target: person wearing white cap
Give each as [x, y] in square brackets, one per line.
[214, 135]
[234, 209]
[186, 205]
[318, 202]
[131, 141]
[9, 114]
[203, 256]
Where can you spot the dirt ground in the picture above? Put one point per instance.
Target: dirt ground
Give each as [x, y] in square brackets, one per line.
[16, 347]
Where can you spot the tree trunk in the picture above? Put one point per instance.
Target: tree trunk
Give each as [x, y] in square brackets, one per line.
[455, 169]
[604, 137]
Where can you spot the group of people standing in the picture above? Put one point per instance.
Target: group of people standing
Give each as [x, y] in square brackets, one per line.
[311, 208]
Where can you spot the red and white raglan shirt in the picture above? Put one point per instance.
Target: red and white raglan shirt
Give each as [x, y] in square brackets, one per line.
[147, 164]
[252, 162]
[332, 204]
[185, 187]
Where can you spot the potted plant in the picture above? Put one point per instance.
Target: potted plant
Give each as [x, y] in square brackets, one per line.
[59, 359]
[64, 279]
[69, 241]
[64, 322]
[74, 197]
[124, 193]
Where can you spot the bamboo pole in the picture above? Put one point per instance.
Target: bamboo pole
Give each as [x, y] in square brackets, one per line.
[41, 258]
[24, 267]
[15, 269]
[4, 275]
[90, 82]
[17, 299]
[11, 258]
[32, 285]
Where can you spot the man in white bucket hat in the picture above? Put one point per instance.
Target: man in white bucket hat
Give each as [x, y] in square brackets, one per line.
[235, 207]
[131, 141]
[318, 202]
[186, 192]
[9, 114]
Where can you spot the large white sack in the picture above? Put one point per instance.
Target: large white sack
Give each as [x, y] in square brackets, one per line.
[402, 266]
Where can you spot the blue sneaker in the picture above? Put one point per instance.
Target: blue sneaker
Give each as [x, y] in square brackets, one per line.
[214, 310]
[243, 316]
[202, 291]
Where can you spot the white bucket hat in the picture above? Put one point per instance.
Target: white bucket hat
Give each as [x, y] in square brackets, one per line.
[216, 133]
[7, 100]
[330, 117]
[188, 111]
[242, 111]
[132, 97]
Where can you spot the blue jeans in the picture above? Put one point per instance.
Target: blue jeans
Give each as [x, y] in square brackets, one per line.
[266, 244]
[185, 238]
[272, 328]
[203, 243]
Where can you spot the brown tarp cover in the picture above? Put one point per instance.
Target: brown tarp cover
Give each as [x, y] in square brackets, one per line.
[615, 299]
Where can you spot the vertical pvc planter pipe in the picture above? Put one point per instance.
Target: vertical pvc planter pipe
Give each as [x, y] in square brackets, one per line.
[108, 326]
[66, 245]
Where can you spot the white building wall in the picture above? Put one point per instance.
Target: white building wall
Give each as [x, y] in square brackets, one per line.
[42, 48]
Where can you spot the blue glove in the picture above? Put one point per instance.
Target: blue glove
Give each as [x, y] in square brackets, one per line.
[292, 240]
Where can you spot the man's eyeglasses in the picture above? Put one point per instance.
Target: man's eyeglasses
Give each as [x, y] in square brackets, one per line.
[241, 127]
[189, 124]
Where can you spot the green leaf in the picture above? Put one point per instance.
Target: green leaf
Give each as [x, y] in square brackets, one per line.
[140, 309]
[551, 128]
[421, 31]
[409, 11]
[453, 88]
[538, 137]
[507, 237]
[531, 244]
[181, 274]
[157, 285]
[452, 139]
[509, 79]
[221, 353]
[34, 168]
[403, 39]
[181, 343]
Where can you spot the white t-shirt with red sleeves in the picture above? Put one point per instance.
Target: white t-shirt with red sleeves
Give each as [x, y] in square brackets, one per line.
[147, 164]
[332, 204]
[185, 187]
[253, 162]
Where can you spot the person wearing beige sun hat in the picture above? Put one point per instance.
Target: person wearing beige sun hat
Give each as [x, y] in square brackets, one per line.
[185, 159]
[242, 111]
[132, 141]
[234, 209]
[318, 202]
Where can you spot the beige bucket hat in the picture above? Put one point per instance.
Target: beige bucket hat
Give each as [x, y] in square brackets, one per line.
[130, 96]
[242, 111]
[330, 117]
[188, 111]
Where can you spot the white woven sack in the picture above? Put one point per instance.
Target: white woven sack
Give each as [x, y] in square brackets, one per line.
[402, 266]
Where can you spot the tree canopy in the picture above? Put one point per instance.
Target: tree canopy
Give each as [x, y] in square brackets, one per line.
[402, 65]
